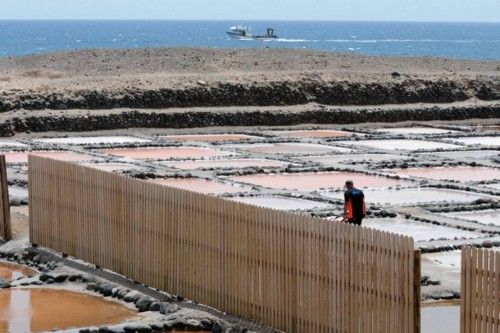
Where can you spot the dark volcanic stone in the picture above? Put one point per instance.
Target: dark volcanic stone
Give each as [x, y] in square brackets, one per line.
[143, 304]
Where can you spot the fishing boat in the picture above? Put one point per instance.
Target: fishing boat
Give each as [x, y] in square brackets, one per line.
[244, 32]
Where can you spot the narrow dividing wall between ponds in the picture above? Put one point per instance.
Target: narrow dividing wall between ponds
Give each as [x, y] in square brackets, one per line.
[293, 272]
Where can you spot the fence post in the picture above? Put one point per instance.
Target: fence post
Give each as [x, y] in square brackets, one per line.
[416, 288]
[4, 201]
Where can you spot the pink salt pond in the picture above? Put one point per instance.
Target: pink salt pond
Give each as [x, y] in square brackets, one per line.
[316, 180]
[69, 156]
[166, 152]
[313, 134]
[331, 160]
[463, 174]
[221, 164]
[210, 137]
[199, 185]
[290, 148]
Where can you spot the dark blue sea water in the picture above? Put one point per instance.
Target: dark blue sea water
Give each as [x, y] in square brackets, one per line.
[456, 40]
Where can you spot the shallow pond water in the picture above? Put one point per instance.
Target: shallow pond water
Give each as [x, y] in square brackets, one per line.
[281, 203]
[113, 166]
[328, 160]
[166, 152]
[9, 271]
[69, 156]
[418, 230]
[200, 185]
[313, 133]
[402, 144]
[441, 319]
[415, 195]
[5, 143]
[43, 309]
[230, 163]
[489, 141]
[463, 174]
[309, 181]
[484, 216]
[210, 137]
[473, 155]
[448, 259]
[415, 130]
[87, 140]
[290, 148]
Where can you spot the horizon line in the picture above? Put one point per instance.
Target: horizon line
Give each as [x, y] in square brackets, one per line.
[253, 20]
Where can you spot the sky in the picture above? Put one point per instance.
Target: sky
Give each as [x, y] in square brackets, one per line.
[331, 10]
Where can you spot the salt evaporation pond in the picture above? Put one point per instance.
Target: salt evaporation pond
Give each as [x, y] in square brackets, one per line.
[69, 156]
[418, 230]
[402, 144]
[415, 130]
[474, 155]
[290, 148]
[448, 259]
[281, 203]
[308, 181]
[229, 163]
[165, 152]
[481, 216]
[89, 140]
[488, 141]
[12, 144]
[210, 137]
[37, 310]
[313, 133]
[330, 160]
[200, 185]
[463, 174]
[416, 195]
[441, 319]
[10, 271]
[111, 167]
[493, 186]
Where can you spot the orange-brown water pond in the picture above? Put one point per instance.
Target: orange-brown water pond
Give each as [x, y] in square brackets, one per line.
[10, 271]
[41, 309]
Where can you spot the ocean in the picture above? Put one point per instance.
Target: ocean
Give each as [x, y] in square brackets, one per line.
[453, 40]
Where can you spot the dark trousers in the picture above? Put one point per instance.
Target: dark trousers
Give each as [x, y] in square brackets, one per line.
[355, 220]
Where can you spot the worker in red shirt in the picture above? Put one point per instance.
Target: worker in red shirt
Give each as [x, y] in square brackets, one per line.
[354, 204]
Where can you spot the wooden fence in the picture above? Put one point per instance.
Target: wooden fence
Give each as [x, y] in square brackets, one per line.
[289, 271]
[5, 227]
[480, 291]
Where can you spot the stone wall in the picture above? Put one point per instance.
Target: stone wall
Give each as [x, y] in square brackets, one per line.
[259, 94]
[187, 119]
